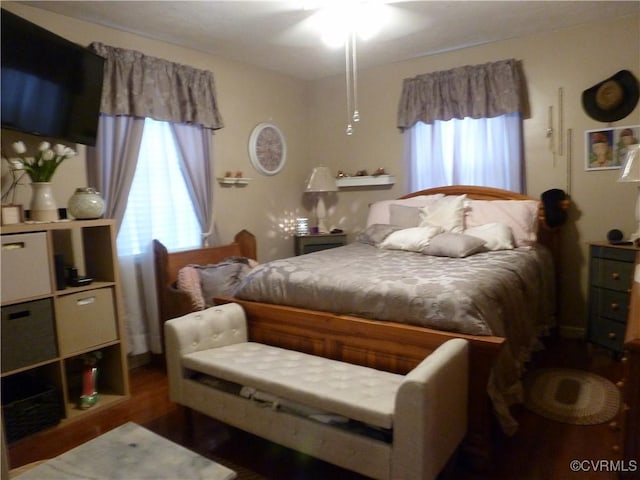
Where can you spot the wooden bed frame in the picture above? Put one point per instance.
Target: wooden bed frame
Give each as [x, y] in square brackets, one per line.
[390, 346]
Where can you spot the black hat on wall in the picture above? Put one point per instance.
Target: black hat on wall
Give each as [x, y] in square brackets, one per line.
[613, 98]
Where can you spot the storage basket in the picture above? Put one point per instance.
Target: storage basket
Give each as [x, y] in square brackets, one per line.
[28, 406]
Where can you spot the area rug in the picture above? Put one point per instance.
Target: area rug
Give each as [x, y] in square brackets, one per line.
[571, 396]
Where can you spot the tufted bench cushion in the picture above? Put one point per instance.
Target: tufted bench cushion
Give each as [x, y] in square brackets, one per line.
[353, 391]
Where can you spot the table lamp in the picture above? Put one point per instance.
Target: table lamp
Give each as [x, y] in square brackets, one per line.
[631, 173]
[319, 182]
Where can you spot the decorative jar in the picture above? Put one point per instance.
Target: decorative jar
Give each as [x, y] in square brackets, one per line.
[86, 204]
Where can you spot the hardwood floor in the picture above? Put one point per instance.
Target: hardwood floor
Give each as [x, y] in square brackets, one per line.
[541, 449]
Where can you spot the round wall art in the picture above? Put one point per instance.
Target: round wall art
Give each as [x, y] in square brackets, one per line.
[267, 149]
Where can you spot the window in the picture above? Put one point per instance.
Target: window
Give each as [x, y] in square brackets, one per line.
[158, 206]
[486, 152]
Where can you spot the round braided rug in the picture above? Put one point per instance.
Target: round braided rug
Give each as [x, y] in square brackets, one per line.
[571, 396]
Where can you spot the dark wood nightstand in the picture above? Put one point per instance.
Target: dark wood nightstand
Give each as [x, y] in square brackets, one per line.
[610, 279]
[320, 241]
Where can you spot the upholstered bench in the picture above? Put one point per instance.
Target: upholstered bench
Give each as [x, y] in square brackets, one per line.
[377, 423]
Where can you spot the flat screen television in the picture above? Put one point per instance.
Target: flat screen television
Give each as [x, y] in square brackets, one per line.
[49, 85]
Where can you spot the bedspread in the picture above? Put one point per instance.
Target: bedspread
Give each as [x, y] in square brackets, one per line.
[507, 293]
[492, 293]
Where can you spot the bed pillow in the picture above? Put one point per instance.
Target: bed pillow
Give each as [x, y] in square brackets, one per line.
[379, 211]
[447, 213]
[520, 215]
[189, 282]
[404, 216]
[455, 245]
[411, 239]
[497, 236]
[376, 233]
[221, 279]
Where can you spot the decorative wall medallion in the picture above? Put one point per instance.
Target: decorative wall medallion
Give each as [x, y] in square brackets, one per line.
[267, 149]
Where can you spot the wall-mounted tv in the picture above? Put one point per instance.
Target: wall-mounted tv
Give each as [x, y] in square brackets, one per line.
[49, 85]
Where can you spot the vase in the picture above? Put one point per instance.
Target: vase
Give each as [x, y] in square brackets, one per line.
[85, 204]
[43, 206]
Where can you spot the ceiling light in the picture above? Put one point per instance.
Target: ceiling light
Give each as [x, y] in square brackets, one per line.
[342, 23]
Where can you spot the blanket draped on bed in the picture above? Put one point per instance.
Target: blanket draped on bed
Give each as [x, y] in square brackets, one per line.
[508, 293]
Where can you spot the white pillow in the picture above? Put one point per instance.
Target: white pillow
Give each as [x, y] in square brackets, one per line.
[413, 239]
[447, 213]
[520, 215]
[379, 211]
[497, 236]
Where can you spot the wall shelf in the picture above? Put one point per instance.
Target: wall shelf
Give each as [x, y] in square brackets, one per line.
[233, 180]
[365, 181]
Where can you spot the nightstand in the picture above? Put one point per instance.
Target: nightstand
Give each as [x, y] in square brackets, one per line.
[320, 241]
[610, 280]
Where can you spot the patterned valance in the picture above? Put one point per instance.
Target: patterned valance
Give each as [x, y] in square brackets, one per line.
[476, 91]
[137, 85]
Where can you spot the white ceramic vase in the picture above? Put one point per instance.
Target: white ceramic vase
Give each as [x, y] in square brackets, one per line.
[85, 204]
[43, 206]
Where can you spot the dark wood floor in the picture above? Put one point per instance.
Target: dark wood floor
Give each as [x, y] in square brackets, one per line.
[541, 449]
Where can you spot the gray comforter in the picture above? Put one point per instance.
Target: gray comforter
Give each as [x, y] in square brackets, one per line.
[490, 293]
[508, 293]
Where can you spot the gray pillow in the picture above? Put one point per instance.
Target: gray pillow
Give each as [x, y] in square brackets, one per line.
[456, 245]
[376, 233]
[404, 216]
[221, 279]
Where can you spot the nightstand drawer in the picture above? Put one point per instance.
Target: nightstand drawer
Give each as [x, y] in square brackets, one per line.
[315, 243]
[608, 333]
[611, 274]
[626, 255]
[610, 303]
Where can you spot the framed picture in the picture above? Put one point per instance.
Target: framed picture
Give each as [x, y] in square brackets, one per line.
[267, 149]
[12, 214]
[606, 148]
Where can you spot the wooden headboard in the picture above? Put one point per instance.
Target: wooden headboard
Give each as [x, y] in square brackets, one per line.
[172, 302]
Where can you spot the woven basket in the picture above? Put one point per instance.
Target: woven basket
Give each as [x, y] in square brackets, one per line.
[29, 406]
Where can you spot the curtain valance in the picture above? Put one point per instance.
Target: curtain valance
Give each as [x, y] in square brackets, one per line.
[138, 85]
[476, 91]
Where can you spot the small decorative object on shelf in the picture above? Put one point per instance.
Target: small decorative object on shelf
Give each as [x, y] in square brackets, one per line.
[230, 180]
[89, 395]
[86, 204]
[40, 170]
[12, 214]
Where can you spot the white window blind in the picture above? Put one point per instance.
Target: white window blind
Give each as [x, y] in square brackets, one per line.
[158, 206]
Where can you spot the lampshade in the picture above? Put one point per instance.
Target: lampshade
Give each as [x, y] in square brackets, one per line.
[321, 180]
[630, 171]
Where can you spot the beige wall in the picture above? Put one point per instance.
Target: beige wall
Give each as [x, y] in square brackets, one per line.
[312, 116]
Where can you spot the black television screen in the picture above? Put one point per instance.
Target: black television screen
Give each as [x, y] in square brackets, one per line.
[50, 86]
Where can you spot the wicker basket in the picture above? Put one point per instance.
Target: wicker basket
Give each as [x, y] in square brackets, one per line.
[29, 406]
